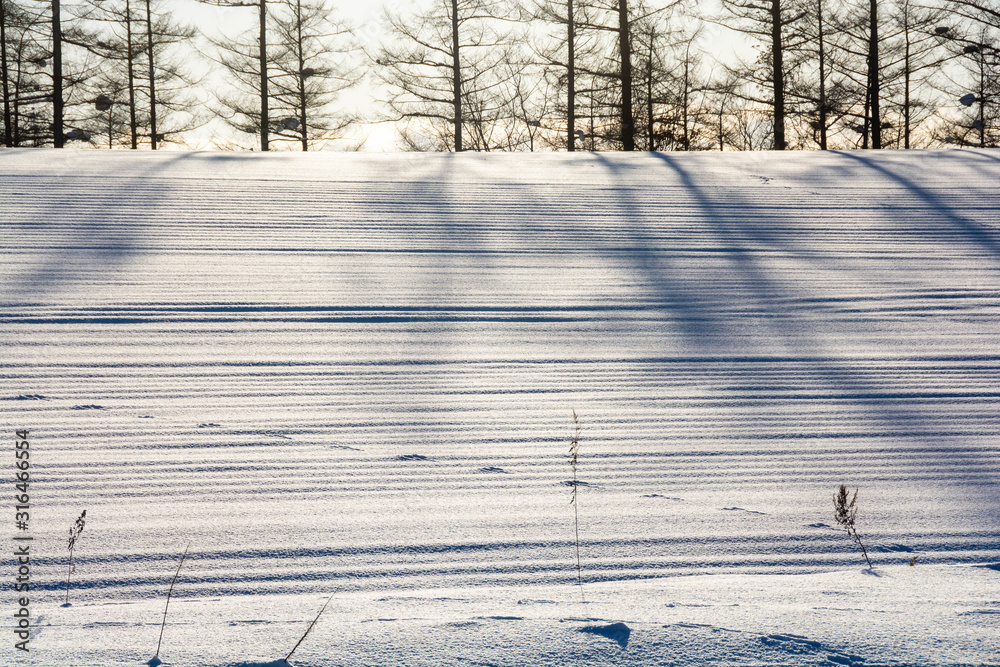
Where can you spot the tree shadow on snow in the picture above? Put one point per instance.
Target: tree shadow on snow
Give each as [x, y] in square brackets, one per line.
[745, 232]
[91, 223]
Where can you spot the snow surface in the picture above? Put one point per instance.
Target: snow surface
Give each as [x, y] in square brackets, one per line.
[353, 375]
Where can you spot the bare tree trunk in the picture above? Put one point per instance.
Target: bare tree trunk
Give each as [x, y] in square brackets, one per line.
[822, 77]
[58, 138]
[130, 62]
[982, 97]
[593, 127]
[302, 78]
[8, 131]
[907, 74]
[868, 117]
[650, 126]
[571, 78]
[873, 83]
[686, 98]
[722, 137]
[778, 76]
[264, 121]
[456, 65]
[625, 49]
[152, 76]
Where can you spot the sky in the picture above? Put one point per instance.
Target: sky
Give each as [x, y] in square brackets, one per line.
[366, 17]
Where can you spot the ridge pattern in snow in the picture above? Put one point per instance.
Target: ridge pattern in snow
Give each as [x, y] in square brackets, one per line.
[357, 372]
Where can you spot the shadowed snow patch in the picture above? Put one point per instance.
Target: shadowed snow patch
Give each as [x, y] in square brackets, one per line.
[742, 509]
[797, 644]
[618, 632]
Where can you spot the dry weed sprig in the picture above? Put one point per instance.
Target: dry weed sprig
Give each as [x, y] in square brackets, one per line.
[574, 455]
[74, 534]
[845, 512]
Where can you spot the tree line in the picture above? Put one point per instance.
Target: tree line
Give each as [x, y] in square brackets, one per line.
[512, 75]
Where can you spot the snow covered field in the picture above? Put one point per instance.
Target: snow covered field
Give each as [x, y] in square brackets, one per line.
[354, 375]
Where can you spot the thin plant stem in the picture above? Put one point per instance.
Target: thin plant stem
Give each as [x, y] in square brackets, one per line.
[309, 629]
[576, 521]
[864, 552]
[74, 534]
[169, 593]
[68, 573]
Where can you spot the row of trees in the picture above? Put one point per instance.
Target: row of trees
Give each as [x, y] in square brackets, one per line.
[121, 64]
[512, 75]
